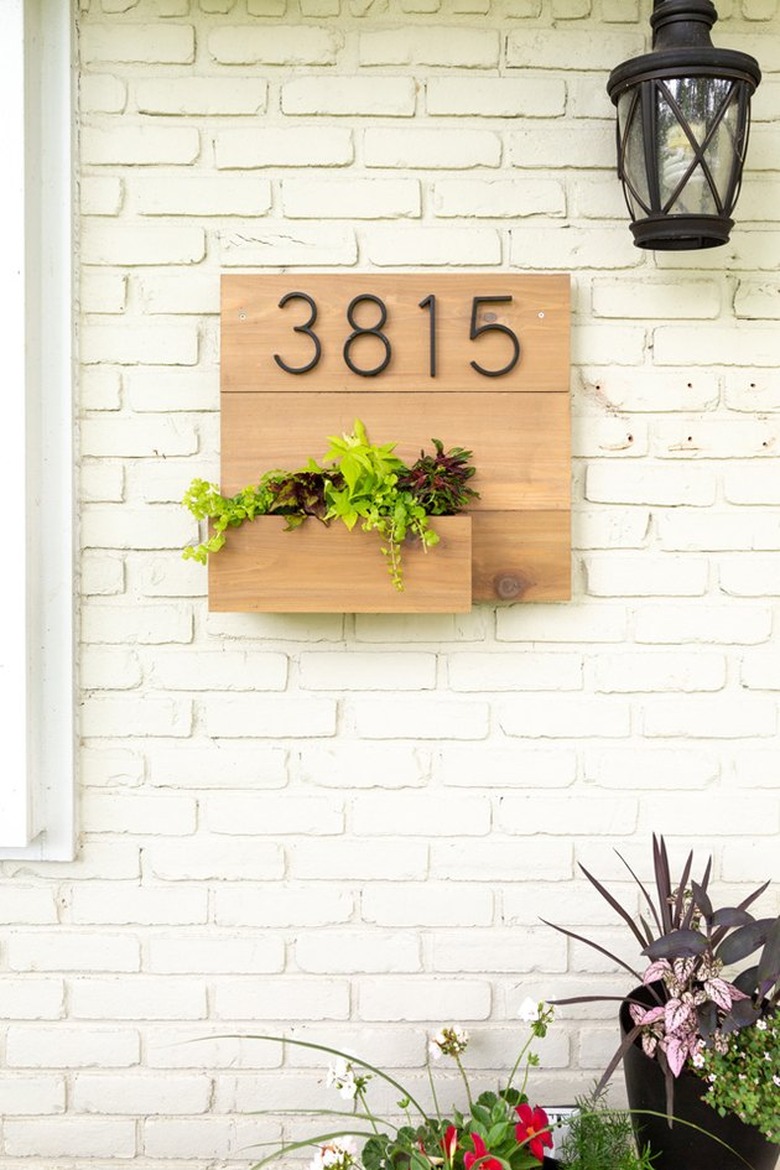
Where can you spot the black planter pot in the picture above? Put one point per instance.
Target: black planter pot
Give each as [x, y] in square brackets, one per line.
[682, 1147]
[550, 1163]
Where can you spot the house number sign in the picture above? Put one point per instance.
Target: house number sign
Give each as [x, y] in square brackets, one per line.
[478, 360]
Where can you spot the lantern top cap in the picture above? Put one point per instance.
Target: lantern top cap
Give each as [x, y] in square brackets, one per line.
[682, 22]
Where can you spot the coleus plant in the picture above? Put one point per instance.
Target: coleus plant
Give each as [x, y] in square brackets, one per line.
[361, 483]
[689, 943]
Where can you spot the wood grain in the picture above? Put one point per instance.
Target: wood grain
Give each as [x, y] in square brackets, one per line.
[254, 328]
[314, 569]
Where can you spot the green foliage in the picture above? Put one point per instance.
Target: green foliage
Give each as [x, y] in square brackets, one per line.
[364, 483]
[744, 1076]
[601, 1138]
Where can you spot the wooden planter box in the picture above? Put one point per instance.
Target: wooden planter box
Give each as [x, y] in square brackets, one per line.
[319, 569]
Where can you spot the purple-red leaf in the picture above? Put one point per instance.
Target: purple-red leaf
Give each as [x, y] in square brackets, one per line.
[744, 941]
[731, 916]
[679, 944]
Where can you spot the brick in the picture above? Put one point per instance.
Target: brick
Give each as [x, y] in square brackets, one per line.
[361, 764]
[32, 998]
[218, 764]
[102, 482]
[145, 813]
[653, 768]
[198, 1137]
[613, 483]
[147, 243]
[610, 527]
[756, 390]
[282, 906]
[496, 97]
[716, 531]
[659, 671]
[113, 766]
[28, 905]
[571, 49]
[264, 715]
[182, 193]
[165, 389]
[353, 199]
[140, 146]
[424, 999]
[214, 953]
[266, 815]
[281, 999]
[757, 300]
[188, 96]
[500, 950]
[646, 576]
[358, 860]
[101, 389]
[540, 144]
[465, 766]
[498, 671]
[754, 814]
[110, 669]
[500, 861]
[210, 859]
[73, 951]
[131, 715]
[101, 195]
[363, 96]
[593, 348]
[424, 246]
[138, 43]
[126, 904]
[282, 147]
[353, 952]
[717, 438]
[372, 671]
[140, 998]
[639, 390]
[567, 247]
[130, 438]
[455, 48]
[431, 149]
[567, 718]
[748, 860]
[751, 483]
[562, 623]
[70, 1137]
[407, 904]
[167, 575]
[704, 718]
[498, 199]
[420, 813]
[149, 625]
[219, 670]
[103, 292]
[135, 1094]
[755, 768]
[434, 628]
[761, 671]
[746, 346]
[750, 576]
[422, 718]
[697, 299]
[716, 624]
[71, 1046]
[273, 46]
[278, 245]
[157, 527]
[102, 93]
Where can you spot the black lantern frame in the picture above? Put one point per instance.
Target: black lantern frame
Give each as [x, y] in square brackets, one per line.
[683, 117]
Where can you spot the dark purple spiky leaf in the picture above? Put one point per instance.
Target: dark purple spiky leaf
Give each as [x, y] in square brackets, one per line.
[623, 1048]
[682, 885]
[646, 928]
[613, 902]
[702, 900]
[769, 963]
[678, 944]
[663, 882]
[744, 941]
[742, 1013]
[645, 895]
[731, 916]
[596, 947]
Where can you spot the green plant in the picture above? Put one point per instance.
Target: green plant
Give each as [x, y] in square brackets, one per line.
[689, 943]
[601, 1138]
[743, 1075]
[495, 1131]
[364, 483]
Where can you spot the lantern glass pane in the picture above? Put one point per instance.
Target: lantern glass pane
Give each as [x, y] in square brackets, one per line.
[725, 145]
[629, 112]
[686, 109]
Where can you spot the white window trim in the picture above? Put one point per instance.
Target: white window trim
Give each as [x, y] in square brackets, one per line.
[36, 571]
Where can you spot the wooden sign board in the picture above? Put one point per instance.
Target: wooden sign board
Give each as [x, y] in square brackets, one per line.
[477, 360]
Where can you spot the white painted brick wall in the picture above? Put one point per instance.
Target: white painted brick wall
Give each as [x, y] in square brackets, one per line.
[351, 825]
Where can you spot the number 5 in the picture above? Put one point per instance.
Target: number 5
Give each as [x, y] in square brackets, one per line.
[493, 327]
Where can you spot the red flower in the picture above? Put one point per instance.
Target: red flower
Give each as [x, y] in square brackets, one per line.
[533, 1130]
[480, 1150]
[449, 1143]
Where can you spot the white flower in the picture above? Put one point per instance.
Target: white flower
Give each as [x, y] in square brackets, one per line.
[761, 1025]
[449, 1041]
[335, 1155]
[341, 1077]
[529, 1011]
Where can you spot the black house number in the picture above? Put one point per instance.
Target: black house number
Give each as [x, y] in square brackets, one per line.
[376, 328]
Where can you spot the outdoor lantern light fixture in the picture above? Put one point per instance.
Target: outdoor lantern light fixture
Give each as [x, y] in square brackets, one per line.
[683, 113]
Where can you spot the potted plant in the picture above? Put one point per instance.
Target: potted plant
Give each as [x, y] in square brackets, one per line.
[495, 1130]
[701, 1051]
[363, 485]
[599, 1136]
